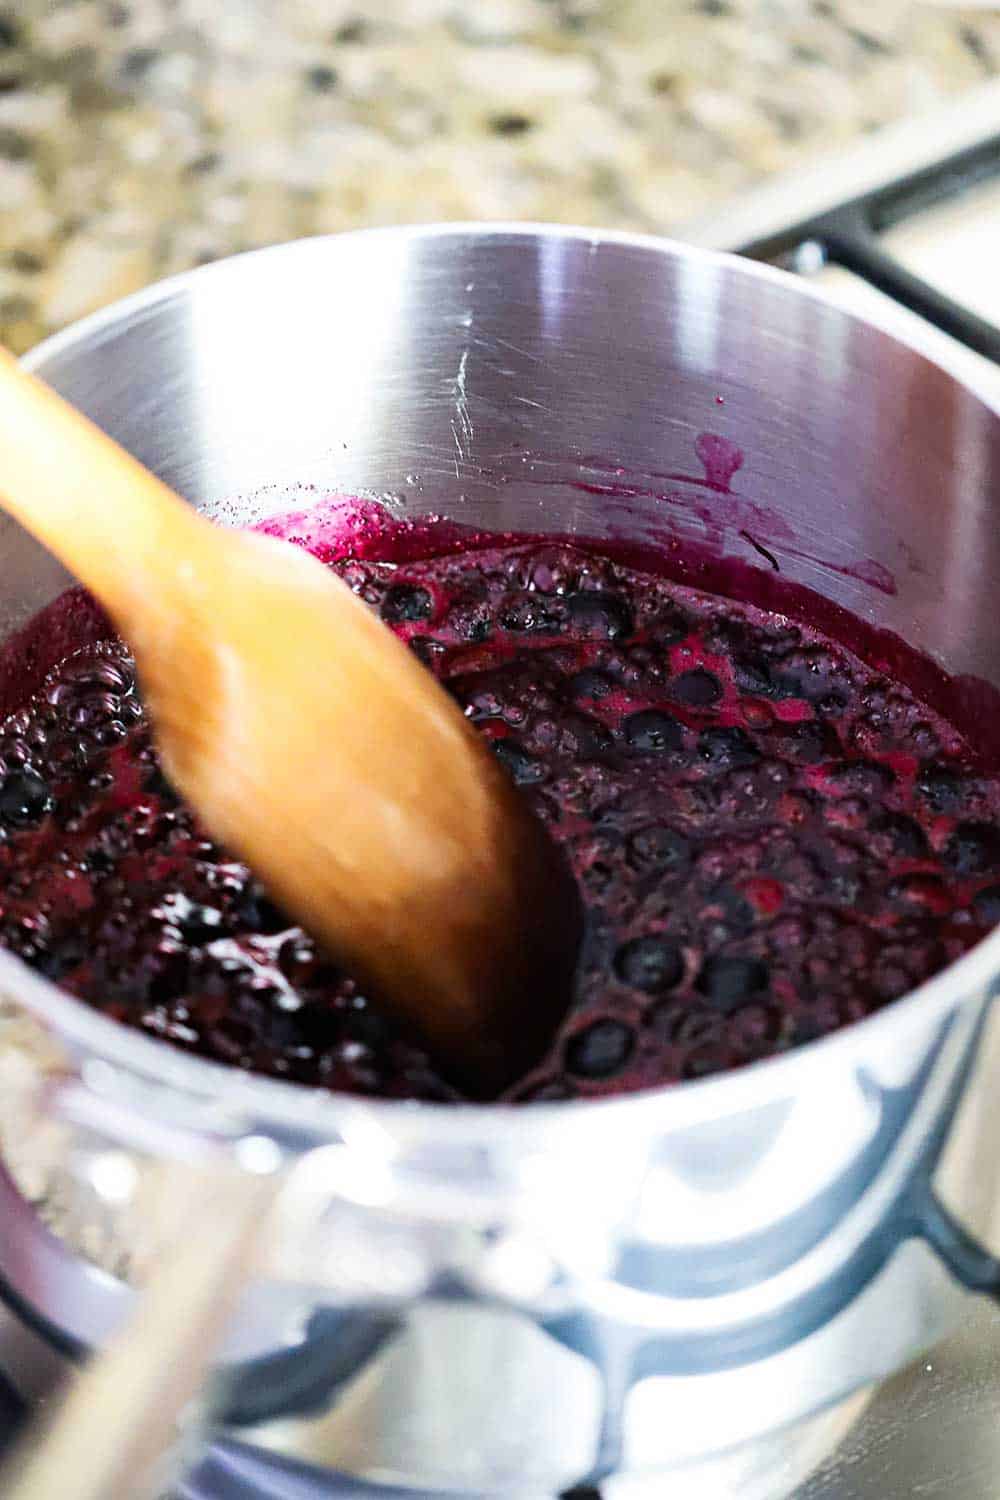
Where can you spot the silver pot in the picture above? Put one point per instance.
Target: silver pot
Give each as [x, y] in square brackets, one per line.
[703, 1281]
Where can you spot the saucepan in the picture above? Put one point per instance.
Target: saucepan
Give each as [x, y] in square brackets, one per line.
[700, 1283]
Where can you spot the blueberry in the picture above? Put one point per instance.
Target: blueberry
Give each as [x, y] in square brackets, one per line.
[24, 799]
[155, 783]
[942, 787]
[906, 837]
[807, 743]
[652, 729]
[729, 982]
[656, 847]
[865, 778]
[521, 765]
[260, 914]
[670, 626]
[591, 683]
[470, 618]
[973, 849]
[987, 904]
[533, 613]
[406, 602]
[698, 688]
[649, 964]
[601, 1050]
[729, 748]
[605, 616]
[753, 676]
[585, 736]
[735, 912]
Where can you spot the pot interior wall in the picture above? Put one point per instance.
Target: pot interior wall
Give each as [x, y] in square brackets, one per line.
[549, 380]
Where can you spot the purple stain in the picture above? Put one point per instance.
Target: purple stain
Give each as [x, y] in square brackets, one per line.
[720, 458]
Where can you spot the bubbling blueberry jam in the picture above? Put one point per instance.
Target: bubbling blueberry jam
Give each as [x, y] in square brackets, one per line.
[772, 838]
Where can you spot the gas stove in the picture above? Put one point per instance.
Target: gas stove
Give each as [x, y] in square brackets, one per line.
[904, 230]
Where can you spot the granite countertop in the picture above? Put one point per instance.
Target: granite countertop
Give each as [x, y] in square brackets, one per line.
[140, 137]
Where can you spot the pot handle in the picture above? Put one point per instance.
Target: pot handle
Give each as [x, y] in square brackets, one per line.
[969, 1262]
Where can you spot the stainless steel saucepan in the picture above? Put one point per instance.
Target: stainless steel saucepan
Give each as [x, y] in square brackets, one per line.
[699, 1283]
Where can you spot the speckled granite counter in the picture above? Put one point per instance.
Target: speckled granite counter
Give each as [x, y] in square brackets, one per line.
[139, 137]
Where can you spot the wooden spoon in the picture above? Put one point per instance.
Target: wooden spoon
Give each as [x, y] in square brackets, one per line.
[313, 743]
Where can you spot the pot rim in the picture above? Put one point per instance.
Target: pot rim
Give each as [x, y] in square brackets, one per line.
[320, 1114]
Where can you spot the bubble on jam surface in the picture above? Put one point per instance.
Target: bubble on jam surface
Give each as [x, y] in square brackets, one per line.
[530, 613]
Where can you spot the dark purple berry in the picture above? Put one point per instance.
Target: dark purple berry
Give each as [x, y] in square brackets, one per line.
[973, 849]
[904, 836]
[657, 847]
[727, 748]
[533, 614]
[942, 787]
[405, 603]
[728, 982]
[653, 731]
[864, 778]
[753, 676]
[591, 683]
[650, 964]
[669, 626]
[520, 763]
[806, 743]
[603, 616]
[698, 688]
[601, 1050]
[25, 799]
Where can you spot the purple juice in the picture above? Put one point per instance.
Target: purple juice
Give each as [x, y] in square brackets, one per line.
[772, 838]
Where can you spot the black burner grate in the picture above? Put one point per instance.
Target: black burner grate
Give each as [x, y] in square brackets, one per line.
[849, 236]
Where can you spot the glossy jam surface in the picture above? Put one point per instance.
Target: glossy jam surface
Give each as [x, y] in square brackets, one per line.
[772, 839]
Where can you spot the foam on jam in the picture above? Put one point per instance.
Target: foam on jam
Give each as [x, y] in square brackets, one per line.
[772, 838]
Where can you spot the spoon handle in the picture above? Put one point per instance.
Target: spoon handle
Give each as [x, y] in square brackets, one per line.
[108, 1438]
[90, 502]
